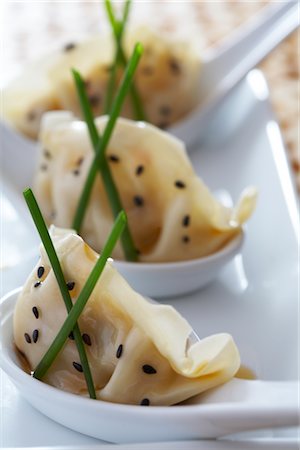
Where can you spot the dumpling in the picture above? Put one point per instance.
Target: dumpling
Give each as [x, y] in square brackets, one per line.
[139, 352]
[47, 84]
[167, 79]
[26, 99]
[171, 213]
[168, 75]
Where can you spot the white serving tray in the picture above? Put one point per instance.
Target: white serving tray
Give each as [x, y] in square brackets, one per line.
[255, 298]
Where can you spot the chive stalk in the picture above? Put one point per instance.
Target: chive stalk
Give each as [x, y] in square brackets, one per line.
[54, 261]
[105, 172]
[83, 297]
[99, 159]
[118, 31]
[111, 86]
[111, 16]
[86, 108]
[135, 97]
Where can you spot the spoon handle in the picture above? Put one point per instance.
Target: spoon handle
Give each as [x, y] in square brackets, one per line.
[242, 51]
[253, 392]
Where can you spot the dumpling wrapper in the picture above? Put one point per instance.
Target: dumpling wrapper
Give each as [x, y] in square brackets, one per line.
[25, 100]
[167, 80]
[172, 214]
[115, 315]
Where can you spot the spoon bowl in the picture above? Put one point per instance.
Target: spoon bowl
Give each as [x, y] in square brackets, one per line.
[238, 405]
[156, 280]
[160, 280]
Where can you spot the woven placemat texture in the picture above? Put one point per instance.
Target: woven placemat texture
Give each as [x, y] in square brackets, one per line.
[29, 28]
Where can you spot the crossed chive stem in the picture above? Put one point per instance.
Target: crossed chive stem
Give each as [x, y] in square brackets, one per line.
[118, 28]
[100, 144]
[74, 311]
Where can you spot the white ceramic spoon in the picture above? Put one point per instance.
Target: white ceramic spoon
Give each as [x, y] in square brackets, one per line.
[156, 280]
[224, 67]
[239, 405]
[160, 280]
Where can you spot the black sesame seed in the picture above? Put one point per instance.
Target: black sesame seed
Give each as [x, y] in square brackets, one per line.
[71, 336]
[119, 351]
[27, 338]
[147, 71]
[145, 402]
[35, 312]
[87, 84]
[108, 68]
[149, 370]
[113, 158]
[70, 285]
[37, 284]
[44, 167]
[95, 100]
[139, 170]
[175, 66]
[185, 239]
[163, 125]
[53, 215]
[40, 271]
[186, 221]
[76, 172]
[165, 110]
[180, 184]
[35, 335]
[138, 200]
[47, 154]
[69, 46]
[77, 366]
[79, 161]
[86, 339]
[31, 115]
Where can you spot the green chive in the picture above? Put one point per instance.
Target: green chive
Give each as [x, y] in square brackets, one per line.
[99, 159]
[110, 187]
[118, 31]
[111, 16]
[135, 97]
[83, 297]
[126, 10]
[86, 107]
[111, 85]
[117, 25]
[50, 250]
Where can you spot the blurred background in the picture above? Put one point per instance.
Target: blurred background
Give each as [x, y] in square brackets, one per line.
[31, 28]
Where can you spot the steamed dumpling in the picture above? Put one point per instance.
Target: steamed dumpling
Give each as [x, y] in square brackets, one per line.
[138, 351]
[167, 80]
[171, 213]
[167, 76]
[47, 84]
